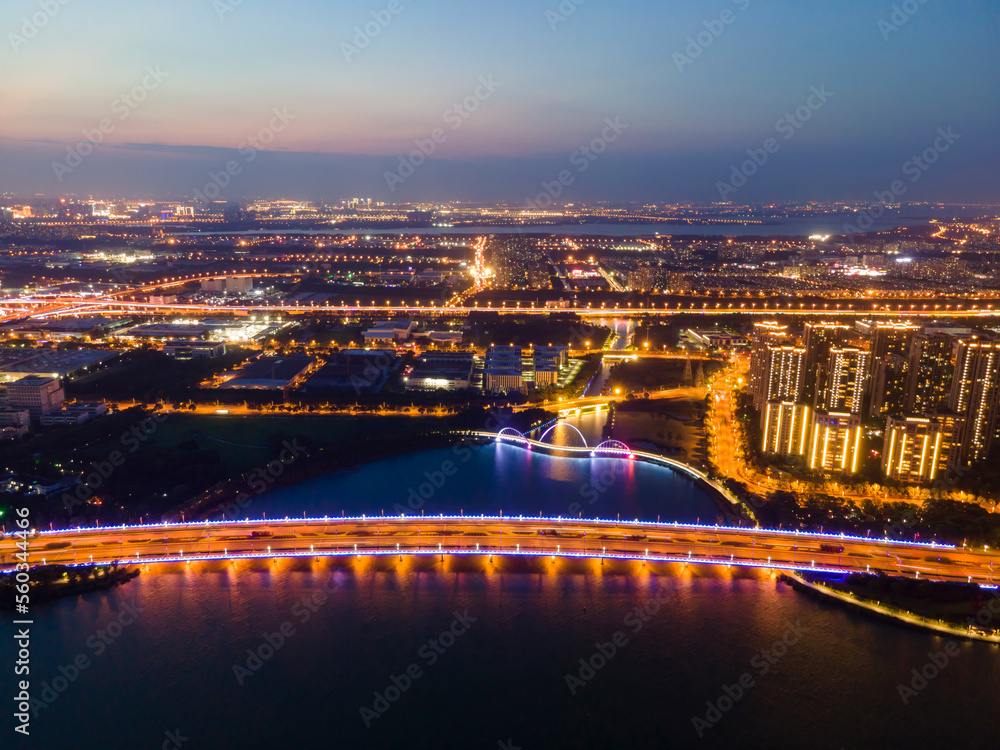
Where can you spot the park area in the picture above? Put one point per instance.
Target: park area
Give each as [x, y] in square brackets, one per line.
[671, 426]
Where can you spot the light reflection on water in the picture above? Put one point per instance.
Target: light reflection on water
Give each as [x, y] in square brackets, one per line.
[496, 477]
[505, 677]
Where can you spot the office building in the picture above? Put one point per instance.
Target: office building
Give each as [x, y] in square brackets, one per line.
[504, 370]
[557, 355]
[37, 394]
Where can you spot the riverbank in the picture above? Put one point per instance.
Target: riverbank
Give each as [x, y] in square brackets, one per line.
[310, 467]
[892, 614]
[48, 582]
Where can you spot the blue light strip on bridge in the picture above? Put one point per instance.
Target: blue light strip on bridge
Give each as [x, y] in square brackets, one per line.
[511, 519]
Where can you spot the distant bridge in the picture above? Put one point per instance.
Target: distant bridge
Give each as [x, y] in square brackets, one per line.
[612, 448]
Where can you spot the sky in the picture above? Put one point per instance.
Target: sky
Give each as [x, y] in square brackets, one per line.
[502, 100]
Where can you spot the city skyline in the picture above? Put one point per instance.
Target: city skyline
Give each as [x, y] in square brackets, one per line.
[642, 358]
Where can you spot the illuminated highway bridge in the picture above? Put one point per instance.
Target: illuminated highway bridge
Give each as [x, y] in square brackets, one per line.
[620, 541]
[617, 541]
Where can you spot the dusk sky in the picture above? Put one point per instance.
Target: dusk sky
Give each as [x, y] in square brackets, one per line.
[557, 78]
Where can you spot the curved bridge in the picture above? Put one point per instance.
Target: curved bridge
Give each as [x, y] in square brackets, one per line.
[629, 542]
[613, 448]
[541, 438]
[607, 449]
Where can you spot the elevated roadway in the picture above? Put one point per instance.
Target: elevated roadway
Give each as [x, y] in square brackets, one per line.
[554, 538]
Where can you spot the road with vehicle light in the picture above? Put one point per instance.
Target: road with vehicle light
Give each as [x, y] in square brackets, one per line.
[491, 535]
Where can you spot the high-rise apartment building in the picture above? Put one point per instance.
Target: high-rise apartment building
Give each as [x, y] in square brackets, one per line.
[516, 261]
[919, 449]
[845, 381]
[888, 387]
[932, 365]
[786, 428]
[786, 374]
[819, 339]
[764, 337]
[835, 444]
[974, 395]
[888, 337]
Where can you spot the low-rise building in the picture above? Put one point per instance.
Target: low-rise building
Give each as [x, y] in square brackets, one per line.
[358, 370]
[389, 330]
[14, 423]
[432, 371]
[504, 370]
[75, 413]
[444, 338]
[715, 339]
[194, 349]
[231, 285]
[271, 373]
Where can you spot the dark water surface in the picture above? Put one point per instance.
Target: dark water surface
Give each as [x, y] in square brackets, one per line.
[813, 674]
